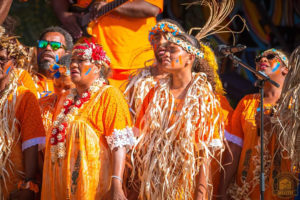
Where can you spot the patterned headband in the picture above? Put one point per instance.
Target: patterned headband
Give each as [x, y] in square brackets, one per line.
[93, 52]
[59, 70]
[164, 27]
[186, 46]
[282, 57]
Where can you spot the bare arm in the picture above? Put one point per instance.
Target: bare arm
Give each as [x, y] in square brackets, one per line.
[201, 184]
[4, 9]
[118, 158]
[68, 19]
[138, 9]
[230, 163]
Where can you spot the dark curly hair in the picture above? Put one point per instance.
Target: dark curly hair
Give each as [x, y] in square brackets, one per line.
[66, 34]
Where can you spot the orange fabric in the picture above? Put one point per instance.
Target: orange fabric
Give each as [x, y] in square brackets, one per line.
[244, 126]
[26, 113]
[125, 39]
[25, 79]
[43, 85]
[85, 172]
[227, 112]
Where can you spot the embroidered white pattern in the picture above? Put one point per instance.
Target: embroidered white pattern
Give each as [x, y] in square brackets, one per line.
[121, 138]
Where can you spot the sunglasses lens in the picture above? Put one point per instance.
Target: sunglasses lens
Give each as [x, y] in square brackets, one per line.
[270, 56]
[42, 44]
[55, 45]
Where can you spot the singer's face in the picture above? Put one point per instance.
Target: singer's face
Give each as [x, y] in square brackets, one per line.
[270, 64]
[176, 58]
[159, 43]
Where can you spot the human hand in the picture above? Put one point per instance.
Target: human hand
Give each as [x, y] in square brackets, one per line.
[95, 9]
[69, 22]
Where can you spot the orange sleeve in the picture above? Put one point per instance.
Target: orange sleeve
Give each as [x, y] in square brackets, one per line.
[30, 121]
[116, 119]
[236, 134]
[157, 3]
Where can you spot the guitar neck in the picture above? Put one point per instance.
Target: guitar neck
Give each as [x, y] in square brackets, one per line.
[110, 6]
[103, 11]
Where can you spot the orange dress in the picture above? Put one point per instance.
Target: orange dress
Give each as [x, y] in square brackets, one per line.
[227, 112]
[50, 107]
[245, 132]
[27, 134]
[101, 124]
[44, 86]
[125, 41]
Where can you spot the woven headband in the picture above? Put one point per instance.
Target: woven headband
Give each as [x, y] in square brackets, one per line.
[164, 27]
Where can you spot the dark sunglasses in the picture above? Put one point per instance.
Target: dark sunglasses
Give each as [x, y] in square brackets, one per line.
[269, 57]
[54, 45]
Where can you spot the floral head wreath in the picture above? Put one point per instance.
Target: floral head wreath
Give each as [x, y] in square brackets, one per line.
[59, 70]
[281, 55]
[93, 52]
[164, 27]
[185, 45]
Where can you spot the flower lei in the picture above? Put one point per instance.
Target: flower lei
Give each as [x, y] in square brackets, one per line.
[69, 110]
[164, 27]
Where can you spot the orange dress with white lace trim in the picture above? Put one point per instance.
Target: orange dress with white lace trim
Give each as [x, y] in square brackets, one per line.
[26, 134]
[244, 133]
[102, 123]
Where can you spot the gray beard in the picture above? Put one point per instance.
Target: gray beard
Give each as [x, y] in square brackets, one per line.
[43, 67]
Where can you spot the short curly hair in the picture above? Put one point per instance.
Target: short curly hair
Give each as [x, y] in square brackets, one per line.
[66, 34]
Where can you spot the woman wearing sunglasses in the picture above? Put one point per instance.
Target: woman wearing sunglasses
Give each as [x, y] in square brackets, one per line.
[85, 153]
[245, 135]
[178, 123]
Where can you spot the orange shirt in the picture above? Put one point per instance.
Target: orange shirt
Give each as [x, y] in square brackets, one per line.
[125, 40]
[26, 112]
[43, 85]
[245, 133]
[85, 172]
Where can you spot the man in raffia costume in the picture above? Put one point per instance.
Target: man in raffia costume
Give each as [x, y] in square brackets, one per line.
[140, 83]
[19, 137]
[85, 154]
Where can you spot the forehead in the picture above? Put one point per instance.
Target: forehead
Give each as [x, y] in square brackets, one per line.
[54, 37]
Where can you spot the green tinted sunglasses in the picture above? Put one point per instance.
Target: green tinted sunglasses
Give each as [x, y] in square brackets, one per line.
[54, 45]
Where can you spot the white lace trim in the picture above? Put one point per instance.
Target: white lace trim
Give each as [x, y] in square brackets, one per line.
[234, 139]
[121, 138]
[32, 142]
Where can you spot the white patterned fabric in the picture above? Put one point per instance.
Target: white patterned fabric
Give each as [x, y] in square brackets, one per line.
[121, 138]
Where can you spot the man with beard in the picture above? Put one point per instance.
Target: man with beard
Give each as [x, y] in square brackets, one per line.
[53, 43]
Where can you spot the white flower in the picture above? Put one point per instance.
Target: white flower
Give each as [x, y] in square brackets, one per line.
[59, 136]
[84, 94]
[78, 102]
[52, 140]
[55, 123]
[61, 127]
[54, 131]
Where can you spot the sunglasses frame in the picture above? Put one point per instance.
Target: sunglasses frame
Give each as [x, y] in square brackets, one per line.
[50, 43]
[269, 57]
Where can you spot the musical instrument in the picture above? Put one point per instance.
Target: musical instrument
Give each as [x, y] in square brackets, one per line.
[85, 19]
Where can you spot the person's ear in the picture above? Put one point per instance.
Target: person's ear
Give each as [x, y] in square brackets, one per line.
[285, 70]
[191, 58]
